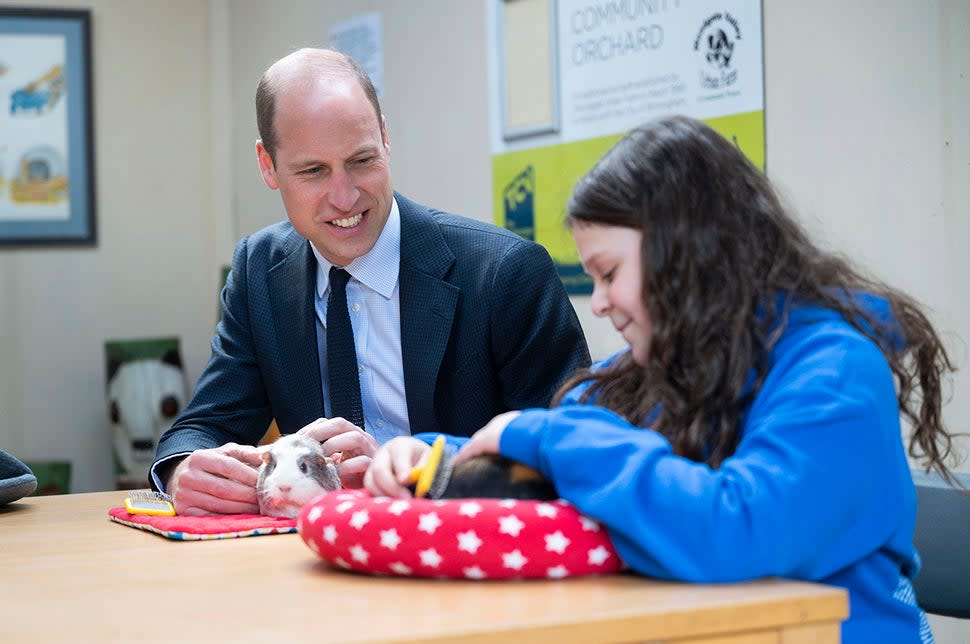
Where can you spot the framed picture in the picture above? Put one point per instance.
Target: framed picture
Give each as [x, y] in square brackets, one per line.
[528, 67]
[47, 148]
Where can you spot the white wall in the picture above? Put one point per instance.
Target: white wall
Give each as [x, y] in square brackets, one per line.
[153, 271]
[869, 142]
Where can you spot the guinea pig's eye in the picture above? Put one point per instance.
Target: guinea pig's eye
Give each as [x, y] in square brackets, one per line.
[303, 467]
[169, 406]
[114, 413]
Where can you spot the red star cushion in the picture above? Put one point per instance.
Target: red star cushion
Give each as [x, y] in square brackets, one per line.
[457, 538]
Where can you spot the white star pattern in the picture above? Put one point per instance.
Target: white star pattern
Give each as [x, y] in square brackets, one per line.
[343, 507]
[398, 507]
[556, 542]
[357, 553]
[472, 539]
[430, 558]
[469, 541]
[598, 556]
[359, 519]
[589, 525]
[314, 514]
[514, 560]
[390, 539]
[469, 509]
[547, 510]
[399, 568]
[429, 522]
[510, 525]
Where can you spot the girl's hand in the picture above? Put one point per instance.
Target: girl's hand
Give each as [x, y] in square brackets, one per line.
[487, 439]
[391, 466]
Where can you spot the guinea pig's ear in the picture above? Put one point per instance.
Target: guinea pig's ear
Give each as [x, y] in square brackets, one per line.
[266, 457]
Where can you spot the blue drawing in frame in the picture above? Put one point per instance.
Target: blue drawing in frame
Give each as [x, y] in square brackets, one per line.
[47, 148]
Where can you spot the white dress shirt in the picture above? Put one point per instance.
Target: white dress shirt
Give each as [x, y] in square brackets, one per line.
[373, 301]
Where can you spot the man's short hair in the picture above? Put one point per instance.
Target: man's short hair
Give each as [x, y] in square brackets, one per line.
[317, 61]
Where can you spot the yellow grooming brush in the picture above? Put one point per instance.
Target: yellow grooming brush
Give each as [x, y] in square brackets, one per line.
[432, 478]
[149, 502]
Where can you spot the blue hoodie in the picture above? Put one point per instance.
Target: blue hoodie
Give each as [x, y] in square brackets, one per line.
[818, 488]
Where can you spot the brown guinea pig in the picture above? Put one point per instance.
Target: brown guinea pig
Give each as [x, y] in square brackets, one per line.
[294, 472]
[492, 476]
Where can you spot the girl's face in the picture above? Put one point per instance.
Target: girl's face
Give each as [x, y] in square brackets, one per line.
[611, 256]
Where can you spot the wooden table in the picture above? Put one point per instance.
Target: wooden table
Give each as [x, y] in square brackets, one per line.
[69, 574]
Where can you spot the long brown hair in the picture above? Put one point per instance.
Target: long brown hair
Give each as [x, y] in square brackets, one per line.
[722, 259]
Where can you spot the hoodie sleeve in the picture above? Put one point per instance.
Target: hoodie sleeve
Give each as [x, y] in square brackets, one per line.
[815, 484]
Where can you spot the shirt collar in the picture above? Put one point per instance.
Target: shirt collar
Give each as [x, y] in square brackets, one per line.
[378, 268]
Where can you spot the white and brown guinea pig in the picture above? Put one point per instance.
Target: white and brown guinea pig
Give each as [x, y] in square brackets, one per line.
[294, 472]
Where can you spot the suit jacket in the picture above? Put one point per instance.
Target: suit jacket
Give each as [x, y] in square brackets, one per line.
[486, 326]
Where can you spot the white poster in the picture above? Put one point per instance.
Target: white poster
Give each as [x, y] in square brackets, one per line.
[620, 63]
[569, 78]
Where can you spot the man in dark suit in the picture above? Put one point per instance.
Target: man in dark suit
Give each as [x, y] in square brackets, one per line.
[454, 320]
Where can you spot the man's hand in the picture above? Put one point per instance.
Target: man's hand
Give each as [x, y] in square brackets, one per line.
[350, 446]
[221, 480]
[391, 466]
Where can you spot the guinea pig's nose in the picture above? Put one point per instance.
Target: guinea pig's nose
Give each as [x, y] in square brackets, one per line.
[285, 489]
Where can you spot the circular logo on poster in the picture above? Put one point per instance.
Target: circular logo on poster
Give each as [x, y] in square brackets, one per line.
[715, 42]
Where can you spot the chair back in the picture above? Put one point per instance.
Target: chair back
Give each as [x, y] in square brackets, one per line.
[942, 539]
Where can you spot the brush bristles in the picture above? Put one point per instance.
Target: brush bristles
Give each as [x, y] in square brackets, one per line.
[446, 466]
[149, 495]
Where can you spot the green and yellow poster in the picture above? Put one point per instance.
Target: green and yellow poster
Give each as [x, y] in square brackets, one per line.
[603, 68]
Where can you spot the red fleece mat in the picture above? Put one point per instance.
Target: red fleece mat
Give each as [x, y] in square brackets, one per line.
[203, 528]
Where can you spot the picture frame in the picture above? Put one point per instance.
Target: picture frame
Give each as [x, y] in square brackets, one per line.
[528, 67]
[47, 172]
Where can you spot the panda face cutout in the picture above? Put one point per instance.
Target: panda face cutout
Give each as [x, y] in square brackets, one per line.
[144, 399]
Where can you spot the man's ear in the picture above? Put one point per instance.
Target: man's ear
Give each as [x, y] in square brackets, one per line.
[266, 167]
[385, 138]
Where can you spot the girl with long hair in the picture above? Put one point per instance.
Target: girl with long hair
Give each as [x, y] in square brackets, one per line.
[752, 427]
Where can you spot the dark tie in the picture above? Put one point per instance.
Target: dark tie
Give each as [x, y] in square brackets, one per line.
[341, 354]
